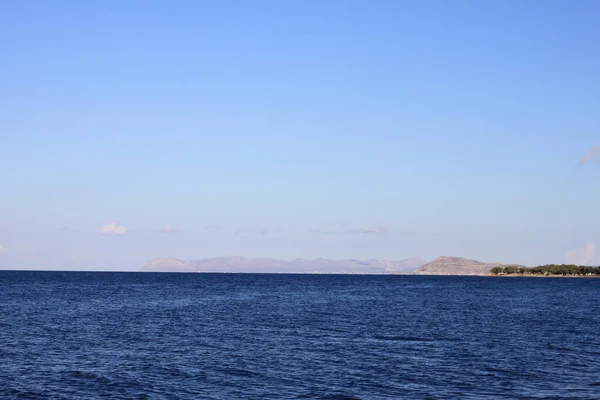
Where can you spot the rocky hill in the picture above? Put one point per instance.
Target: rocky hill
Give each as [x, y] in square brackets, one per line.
[446, 265]
[270, 265]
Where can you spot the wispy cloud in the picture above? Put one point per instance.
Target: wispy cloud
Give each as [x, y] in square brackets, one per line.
[168, 229]
[113, 228]
[324, 231]
[376, 228]
[4, 250]
[581, 256]
[67, 229]
[260, 231]
[590, 155]
[368, 229]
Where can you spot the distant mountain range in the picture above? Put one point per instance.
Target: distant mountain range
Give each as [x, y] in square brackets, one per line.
[444, 265]
[266, 265]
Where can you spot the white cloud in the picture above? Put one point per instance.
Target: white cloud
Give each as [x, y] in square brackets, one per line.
[3, 250]
[169, 229]
[590, 155]
[370, 229]
[581, 256]
[113, 228]
[376, 228]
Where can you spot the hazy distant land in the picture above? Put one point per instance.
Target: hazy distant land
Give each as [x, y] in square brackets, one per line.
[445, 265]
[416, 265]
[271, 265]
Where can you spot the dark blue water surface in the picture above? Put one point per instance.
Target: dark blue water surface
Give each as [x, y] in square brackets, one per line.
[68, 335]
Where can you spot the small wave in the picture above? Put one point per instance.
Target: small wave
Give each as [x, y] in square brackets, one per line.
[339, 397]
[88, 376]
[241, 372]
[405, 338]
[24, 394]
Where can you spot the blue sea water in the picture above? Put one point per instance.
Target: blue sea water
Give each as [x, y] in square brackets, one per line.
[89, 335]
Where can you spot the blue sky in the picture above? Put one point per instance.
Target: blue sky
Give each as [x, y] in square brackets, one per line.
[364, 129]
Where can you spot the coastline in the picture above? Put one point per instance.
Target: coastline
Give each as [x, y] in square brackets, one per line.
[540, 276]
[489, 275]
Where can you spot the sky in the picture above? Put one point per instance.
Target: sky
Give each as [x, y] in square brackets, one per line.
[298, 129]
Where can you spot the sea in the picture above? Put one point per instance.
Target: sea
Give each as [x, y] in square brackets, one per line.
[105, 335]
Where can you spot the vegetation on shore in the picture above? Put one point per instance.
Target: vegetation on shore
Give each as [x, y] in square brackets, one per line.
[547, 270]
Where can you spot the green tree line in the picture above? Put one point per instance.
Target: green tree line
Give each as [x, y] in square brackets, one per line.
[549, 269]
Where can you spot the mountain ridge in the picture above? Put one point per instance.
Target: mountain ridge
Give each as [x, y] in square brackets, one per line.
[451, 265]
[271, 265]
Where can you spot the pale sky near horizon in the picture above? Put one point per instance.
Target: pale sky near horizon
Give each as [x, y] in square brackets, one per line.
[298, 129]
